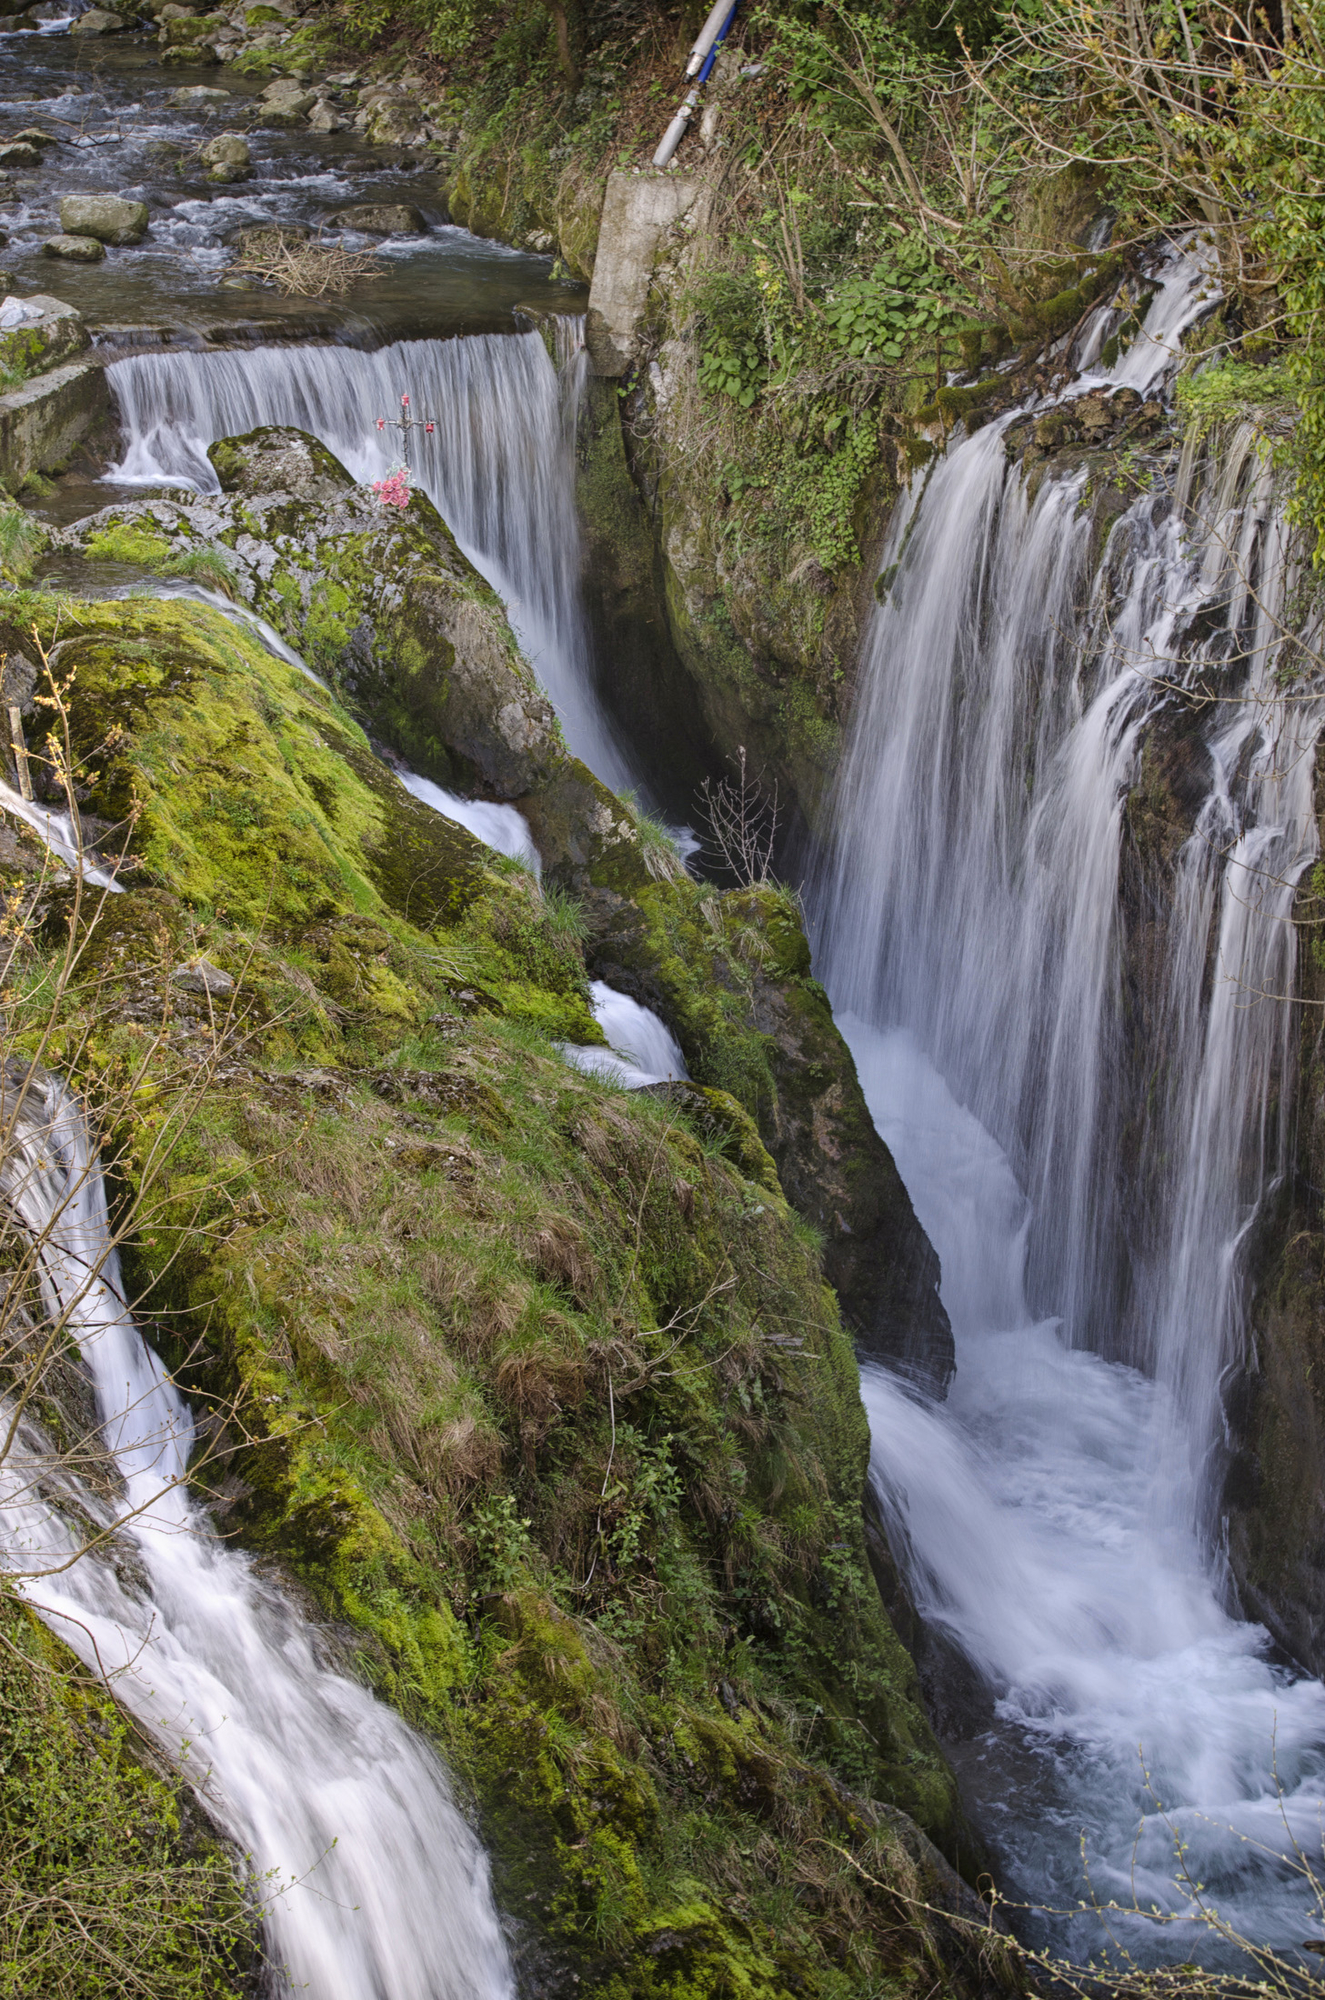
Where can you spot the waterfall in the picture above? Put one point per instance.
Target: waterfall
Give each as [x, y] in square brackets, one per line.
[498, 465]
[379, 1890]
[1088, 1183]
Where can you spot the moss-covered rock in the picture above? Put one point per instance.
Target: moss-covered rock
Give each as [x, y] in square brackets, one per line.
[1274, 1495]
[537, 1385]
[382, 603]
[731, 974]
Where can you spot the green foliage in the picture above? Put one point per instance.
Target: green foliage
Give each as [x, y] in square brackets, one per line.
[22, 539]
[729, 368]
[564, 914]
[448, 24]
[904, 300]
[106, 1896]
[819, 489]
[1230, 390]
[1285, 138]
[499, 1544]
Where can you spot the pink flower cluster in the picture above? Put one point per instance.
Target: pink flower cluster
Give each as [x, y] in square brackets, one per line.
[393, 491]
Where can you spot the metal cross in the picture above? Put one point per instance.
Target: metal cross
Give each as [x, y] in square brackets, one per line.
[405, 423]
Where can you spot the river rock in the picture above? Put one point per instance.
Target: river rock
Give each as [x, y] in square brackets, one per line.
[277, 460]
[324, 118]
[97, 21]
[287, 110]
[16, 155]
[227, 157]
[74, 249]
[197, 97]
[38, 332]
[228, 149]
[382, 219]
[110, 218]
[32, 135]
[201, 976]
[394, 124]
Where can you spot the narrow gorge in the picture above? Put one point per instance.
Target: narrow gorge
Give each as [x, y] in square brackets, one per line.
[661, 1004]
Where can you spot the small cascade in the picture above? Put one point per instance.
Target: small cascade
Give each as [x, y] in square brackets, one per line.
[498, 465]
[1089, 1198]
[641, 1048]
[377, 1889]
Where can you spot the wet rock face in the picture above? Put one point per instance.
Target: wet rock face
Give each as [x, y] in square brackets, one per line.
[755, 1026]
[74, 249]
[110, 218]
[382, 219]
[1115, 418]
[1274, 1495]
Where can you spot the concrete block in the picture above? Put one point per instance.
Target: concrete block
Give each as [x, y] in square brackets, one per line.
[637, 211]
[42, 423]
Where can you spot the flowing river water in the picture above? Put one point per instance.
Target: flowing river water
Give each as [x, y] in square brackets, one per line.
[1057, 1516]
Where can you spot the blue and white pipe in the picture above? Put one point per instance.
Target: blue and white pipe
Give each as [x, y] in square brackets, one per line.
[702, 57]
[710, 34]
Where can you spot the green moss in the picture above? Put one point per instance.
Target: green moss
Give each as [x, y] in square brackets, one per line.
[539, 1387]
[104, 1863]
[246, 786]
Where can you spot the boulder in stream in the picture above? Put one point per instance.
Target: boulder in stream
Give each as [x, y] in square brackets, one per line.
[74, 249]
[227, 157]
[287, 110]
[382, 218]
[197, 97]
[38, 332]
[110, 218]
[98, 21]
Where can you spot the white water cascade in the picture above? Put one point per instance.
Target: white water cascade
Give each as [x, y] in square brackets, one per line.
[377, 1890]
[1088, 1180]
[498, 465]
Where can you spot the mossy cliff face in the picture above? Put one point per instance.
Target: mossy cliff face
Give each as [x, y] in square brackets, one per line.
[382, 601]
[107, 1860]
[537, 1384]
[1275, 1492]
[428, 662]
[731, 973]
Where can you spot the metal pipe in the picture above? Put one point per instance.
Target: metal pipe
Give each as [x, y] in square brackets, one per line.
[676, 131]
[719, 39]
[708, 34]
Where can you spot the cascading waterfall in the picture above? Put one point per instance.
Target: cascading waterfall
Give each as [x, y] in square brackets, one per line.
[377, 1888]
[498, 465]
[1058, 1516]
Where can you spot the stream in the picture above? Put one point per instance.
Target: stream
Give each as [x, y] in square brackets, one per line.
[1057, 1516]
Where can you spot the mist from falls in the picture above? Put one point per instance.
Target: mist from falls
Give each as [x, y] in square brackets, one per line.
[498, 466]
[372, 1885]
[1088, 1181]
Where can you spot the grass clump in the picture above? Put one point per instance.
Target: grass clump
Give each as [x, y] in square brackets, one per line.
[112, 1884]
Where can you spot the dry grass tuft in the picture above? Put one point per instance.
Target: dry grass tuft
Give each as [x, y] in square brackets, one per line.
[559, 1254]
[303, 268]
